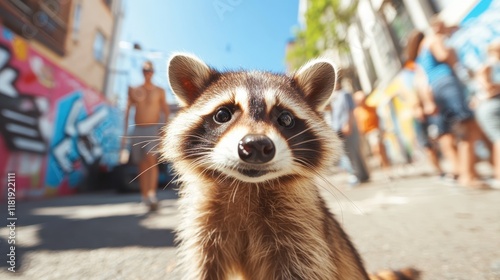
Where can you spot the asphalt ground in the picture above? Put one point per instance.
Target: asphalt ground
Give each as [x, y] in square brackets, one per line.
[446, 231]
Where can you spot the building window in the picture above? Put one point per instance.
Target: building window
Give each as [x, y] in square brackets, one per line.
[76, 21]
[44, 21]
[99, 47]
[398, 19]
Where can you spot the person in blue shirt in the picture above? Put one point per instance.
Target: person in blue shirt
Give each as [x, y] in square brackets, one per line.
[441, 67]
[427, 126]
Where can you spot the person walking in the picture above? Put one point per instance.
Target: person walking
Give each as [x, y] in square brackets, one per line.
[429, 127]
[149, 101]
[368, 125]
[344, 124]
[441, 67]
[488, 108]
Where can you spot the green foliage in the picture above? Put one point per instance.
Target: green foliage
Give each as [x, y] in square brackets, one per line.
[326, 28]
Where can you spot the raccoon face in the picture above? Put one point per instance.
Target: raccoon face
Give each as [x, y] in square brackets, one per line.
[250, 126]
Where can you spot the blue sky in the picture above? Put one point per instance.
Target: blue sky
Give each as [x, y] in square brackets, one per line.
[227, 34]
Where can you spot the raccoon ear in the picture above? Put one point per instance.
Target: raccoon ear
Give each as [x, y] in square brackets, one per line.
[187, 75]
[317, 79]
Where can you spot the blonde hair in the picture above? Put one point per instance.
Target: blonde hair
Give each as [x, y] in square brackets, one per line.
[147, 65]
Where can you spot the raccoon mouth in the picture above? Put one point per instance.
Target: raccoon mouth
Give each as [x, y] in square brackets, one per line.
[254, 173]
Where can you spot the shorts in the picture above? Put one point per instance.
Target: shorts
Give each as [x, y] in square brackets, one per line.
[428, 130]
[144, 142]
[451, 102]
[488, 117]
[373, 137]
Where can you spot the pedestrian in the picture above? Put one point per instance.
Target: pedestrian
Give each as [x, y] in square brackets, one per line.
[344, 124]
[488, 108]
[149, 101]
[448, 98]
[427, 126]
[369, 128]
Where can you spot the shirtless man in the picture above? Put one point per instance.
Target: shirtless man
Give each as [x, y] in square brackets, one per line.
[149, 101]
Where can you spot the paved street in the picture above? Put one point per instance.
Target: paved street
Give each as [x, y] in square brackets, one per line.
[414, 220]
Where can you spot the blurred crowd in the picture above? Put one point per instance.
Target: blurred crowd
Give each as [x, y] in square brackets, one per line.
[453, 108]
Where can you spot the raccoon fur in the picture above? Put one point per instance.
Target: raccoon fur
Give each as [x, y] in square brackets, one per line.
[247, 147]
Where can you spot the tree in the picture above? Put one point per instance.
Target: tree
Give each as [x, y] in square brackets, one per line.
[326, 28]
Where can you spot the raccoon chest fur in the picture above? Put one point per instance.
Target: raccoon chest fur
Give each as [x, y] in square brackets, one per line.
[260, 232]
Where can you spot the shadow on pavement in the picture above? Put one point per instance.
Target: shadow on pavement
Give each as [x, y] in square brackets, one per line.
[60, 229]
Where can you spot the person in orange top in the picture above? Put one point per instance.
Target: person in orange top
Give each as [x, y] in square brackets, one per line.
[368, 125]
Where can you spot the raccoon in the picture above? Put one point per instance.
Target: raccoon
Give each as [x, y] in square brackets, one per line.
[247, 147]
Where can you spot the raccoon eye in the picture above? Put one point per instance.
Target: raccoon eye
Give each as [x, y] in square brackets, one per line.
[222, 115]
[285, 119]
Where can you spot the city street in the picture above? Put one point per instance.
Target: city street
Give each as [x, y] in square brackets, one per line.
[414, 220]
[86, 88]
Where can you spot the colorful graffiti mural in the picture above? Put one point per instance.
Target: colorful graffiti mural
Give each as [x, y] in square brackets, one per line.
[394, 109]
[52, 126]
[477, 29]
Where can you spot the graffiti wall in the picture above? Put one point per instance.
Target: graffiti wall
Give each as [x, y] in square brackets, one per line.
[52, 126]
[477, 29]
[394, 109]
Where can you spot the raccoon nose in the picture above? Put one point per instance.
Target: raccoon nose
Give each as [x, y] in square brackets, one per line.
[256, 148]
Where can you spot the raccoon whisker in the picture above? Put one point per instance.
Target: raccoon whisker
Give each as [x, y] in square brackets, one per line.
[146, 136]
[250, 198]
[153, 148]
[361, 212]
[200, 151]
[197, 163]
[220, 177]
[303, 131]
[310, 168]
[233, 193]
[154, 165]
[201, 147]
[194, 164]
[175, 177]
[204, 152]
[210, 168]
[141, 124]
[304, 149]
[336, 197]
[144, 146]
[146, 141]
[199, 137]
[203, 161]
[224, 177]
[307, 141]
